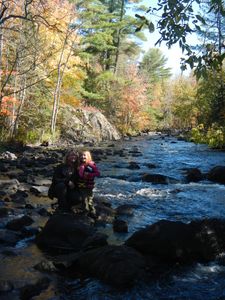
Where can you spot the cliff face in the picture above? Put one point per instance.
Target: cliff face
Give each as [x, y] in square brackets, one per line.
[85, 125]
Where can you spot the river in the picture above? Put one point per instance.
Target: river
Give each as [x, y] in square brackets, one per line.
[152, 202]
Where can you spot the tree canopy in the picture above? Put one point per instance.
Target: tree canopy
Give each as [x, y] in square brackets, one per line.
[177, 19]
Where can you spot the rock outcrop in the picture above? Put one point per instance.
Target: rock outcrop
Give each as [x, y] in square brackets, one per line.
[86, 124]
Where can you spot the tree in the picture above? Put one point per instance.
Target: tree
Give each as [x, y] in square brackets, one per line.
[156, 74]
[153, 66]
[177, 19]
[32, 54]
[184, 103]
[211, 99]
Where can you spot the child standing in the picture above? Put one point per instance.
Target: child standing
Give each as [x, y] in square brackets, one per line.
[87, 173]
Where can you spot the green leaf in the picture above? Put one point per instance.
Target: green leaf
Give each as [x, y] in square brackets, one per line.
[201, 19]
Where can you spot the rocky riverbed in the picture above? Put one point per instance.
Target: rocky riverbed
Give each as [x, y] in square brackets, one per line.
[42, 248]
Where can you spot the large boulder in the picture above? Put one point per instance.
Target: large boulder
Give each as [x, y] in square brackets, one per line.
[86, 124]
[165, 239]
[170, 241]
[217, 174]
[194, 175]
[65, 231]
[119, 266]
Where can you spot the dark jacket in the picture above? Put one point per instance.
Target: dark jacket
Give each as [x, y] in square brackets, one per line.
[62, 175]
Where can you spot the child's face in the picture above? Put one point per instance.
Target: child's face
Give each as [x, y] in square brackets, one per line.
[83, 158]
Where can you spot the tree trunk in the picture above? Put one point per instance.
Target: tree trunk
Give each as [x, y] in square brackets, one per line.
[119, 37]
[60, 73]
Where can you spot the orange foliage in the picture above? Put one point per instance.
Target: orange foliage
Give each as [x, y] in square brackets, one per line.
[4, 72]
[71, 100]
[132, 100]
[133, 92]
[7, 105]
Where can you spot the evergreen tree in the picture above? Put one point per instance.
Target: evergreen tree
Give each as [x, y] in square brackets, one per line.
[153, 66]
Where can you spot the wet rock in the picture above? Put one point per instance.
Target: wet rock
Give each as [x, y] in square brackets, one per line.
[125, 209]
[14, 174]
[31, 290]
[18, 224]
[209, 240]
[9, 238]
[5, 212]
[19, 197]
[5, 286]
[26, 162]
[133, 165]
[158, 178]
[217, 174]
[3, 168]
[44, 212]
[169, 241]
[135, 154]
[8, 155]
[42, 182]
[9, 252]
[194, 175]
[104, 213]
[100, 200]
[150, 165]
[120, 226]
[95, 241]
[2, 194]
[39, 190]
[119, 266]
[9, 185]
[31, 206]
[29, 232]
[65, 232]
[165, 239]
[46, 266]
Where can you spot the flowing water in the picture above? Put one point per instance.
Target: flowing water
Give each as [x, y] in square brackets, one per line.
[177, 201]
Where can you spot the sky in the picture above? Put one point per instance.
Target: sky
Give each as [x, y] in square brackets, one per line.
[173, 54]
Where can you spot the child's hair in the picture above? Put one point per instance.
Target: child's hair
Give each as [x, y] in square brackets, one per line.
[88, 156]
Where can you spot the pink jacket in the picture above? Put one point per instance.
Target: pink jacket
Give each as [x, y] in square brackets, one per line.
[87, 173]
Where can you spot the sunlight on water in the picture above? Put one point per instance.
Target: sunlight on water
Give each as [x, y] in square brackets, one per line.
[148, 192]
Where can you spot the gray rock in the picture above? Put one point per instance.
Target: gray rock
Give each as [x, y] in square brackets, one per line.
[86, 125]
[9, 185]
[8, 155]
[40, 190]
[46, 266]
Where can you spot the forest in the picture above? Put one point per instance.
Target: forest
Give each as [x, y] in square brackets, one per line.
[88, 54]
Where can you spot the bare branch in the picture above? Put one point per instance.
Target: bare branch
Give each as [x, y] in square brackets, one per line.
[32, 84]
